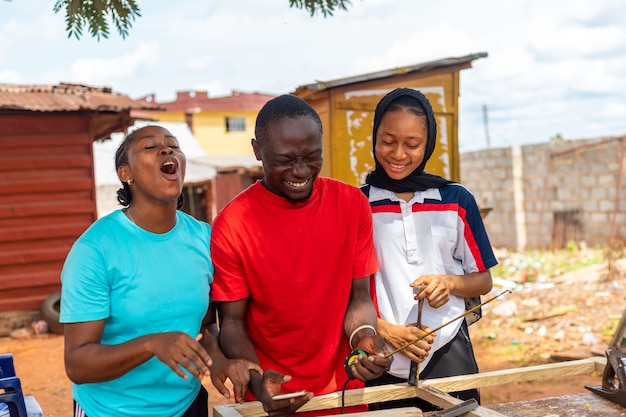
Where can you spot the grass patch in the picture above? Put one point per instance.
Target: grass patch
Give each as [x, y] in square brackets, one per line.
[540, 265]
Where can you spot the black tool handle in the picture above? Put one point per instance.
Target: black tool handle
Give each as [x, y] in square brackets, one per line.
[413, 370]
[413, 374]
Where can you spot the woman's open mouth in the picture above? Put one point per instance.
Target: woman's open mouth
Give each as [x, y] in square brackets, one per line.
[170, 168]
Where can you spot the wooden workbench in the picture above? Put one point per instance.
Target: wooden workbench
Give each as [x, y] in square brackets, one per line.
[579, 405]
[435, 391]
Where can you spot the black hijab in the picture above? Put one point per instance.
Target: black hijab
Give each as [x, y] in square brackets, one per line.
[418, 180]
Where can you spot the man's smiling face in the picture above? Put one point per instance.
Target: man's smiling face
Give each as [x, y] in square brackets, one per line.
[292, 158]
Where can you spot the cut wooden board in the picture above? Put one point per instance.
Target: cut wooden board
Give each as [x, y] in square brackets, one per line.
[359, 397]
[528, 373]
[431, 390]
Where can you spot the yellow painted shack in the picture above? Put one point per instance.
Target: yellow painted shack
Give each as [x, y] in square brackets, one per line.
[346, 107]
[222, 125]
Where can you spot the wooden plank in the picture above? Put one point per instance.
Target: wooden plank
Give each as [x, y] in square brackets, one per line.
[35, 256]
[600, 364]
[432, 390]
[507, 376]
[363, 396]
[31, 279]
[17, 126]
[45, 140]
[225, 411]
[444, 401]
[47, 185]
[47, 210]
[62, 151]
[53, 231]
[23, 199]
[44, 162]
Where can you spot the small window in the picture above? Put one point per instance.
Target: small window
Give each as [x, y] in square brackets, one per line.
[235, 124]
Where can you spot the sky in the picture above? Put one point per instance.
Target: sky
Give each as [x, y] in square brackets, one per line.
[554, 67]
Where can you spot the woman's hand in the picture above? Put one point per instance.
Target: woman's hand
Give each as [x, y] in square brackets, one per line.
[440, 287]
[179, 350]
[399, 336]
[238, 371]
[437, 291]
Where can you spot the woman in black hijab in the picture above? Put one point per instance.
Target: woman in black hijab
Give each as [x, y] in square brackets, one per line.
[428, 233]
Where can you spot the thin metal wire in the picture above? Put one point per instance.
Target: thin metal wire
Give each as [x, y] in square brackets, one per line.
[471, 310]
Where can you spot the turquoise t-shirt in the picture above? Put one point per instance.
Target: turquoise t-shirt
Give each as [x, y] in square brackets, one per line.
[139, 283]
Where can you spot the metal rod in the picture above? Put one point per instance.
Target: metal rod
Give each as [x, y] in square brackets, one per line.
[415, 367]
[471, 310]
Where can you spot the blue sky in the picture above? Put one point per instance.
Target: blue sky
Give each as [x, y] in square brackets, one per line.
[554, 67]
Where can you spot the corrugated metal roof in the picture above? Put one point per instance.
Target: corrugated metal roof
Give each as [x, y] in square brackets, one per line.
[67, 97]
[425, 66]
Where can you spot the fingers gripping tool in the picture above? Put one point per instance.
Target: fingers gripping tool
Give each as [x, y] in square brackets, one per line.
[414, 370]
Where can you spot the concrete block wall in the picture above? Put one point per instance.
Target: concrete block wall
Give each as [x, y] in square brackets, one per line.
[488, 174]
[544, 195]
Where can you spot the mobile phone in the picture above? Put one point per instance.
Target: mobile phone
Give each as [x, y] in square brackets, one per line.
[289, 395]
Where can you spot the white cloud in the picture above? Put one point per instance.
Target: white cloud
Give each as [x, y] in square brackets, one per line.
[553, 66]
[215, 88]
[429, 44]
[119, 68]
[10, 77]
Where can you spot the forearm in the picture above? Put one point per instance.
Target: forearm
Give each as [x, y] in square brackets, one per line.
[236, 344]
[360, 314]
[470, 285]
[95, 362]
[210, 342]
[383, 328]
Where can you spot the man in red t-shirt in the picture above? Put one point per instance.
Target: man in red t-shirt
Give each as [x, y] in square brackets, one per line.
[293, 254]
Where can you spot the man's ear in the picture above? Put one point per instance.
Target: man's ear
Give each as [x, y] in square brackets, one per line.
[256, 149]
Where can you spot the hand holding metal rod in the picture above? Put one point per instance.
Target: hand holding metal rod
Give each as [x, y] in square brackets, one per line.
[471, 310]
[415, 368]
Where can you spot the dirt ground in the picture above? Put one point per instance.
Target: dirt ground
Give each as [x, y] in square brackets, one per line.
[571, 317]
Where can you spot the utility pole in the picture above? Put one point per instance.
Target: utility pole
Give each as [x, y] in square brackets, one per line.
[486, 123]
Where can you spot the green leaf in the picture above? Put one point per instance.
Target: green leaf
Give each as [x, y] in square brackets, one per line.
[325, 7]
[96, 15]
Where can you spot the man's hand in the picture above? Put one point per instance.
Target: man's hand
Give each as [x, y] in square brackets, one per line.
[375, 364]
[272, 382]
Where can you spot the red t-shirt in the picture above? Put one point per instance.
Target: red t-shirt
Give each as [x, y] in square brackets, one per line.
[295, 262]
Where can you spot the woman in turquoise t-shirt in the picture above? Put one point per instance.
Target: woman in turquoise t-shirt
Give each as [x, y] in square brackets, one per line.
[139, 333]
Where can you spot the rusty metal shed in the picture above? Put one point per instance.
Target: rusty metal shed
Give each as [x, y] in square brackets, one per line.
[47, 187]
[346, 107]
